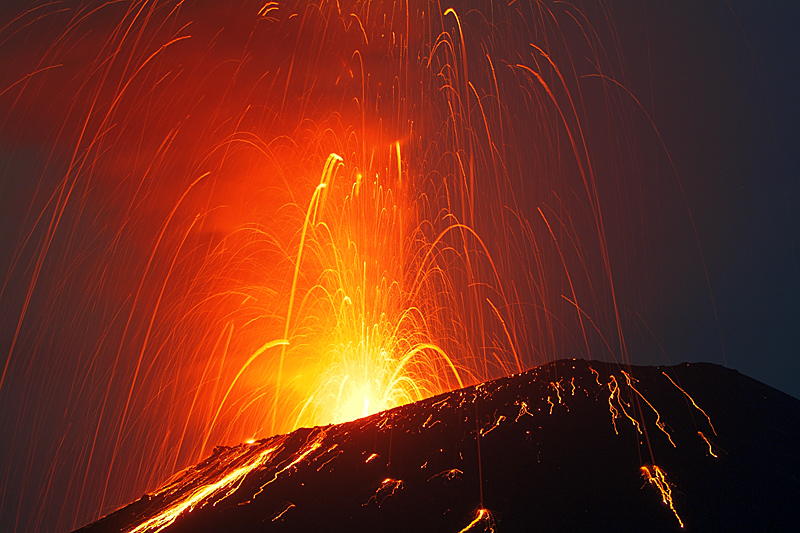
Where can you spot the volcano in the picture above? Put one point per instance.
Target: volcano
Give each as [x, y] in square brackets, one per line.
[571, 445]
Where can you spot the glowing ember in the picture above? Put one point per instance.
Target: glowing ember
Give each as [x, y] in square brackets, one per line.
[621, 406]
[483, 519]
[658, 479]
[708, 443]
[523, 410]
[630, 380]
[708, 418]
[371, 457]
[386, 489]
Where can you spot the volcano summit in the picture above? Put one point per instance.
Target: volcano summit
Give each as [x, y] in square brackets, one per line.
[569, 446]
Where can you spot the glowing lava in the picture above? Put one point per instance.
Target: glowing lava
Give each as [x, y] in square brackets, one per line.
[658, 479]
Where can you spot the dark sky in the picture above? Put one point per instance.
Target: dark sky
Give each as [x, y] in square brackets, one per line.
[700, 205]
[724, 98]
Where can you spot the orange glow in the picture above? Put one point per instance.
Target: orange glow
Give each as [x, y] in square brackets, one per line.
[497, 422]
[659, 423]
[226, 486]
[614, 394]
[658, 479]
[301, 454]
[708, 443]
[693, 402]
[596, 376]
[558, 388]
[268, 7]
[283, 511]
[482, 518]
[448, 475]
[523, 410]
[386, 489]
[227, 483]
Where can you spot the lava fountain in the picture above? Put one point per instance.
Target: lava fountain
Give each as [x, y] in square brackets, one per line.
[227, 222]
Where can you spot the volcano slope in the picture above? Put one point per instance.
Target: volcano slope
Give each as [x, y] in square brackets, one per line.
[561, 447]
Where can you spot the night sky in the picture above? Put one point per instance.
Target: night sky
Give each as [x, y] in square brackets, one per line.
[724, 98]
[702, 209]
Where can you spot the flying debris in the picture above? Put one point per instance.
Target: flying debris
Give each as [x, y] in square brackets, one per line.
[276, 223]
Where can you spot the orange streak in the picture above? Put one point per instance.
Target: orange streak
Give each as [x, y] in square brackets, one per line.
[658, 479]
[614, 390]
[710, 449]
[659, 423]
[483, 516]
[693, 402]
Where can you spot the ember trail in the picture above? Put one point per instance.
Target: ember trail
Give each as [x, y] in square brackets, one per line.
[253, 219]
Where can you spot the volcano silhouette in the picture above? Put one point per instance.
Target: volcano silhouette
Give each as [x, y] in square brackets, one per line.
[558, 448]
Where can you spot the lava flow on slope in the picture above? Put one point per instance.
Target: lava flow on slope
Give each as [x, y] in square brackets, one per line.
[571, 445]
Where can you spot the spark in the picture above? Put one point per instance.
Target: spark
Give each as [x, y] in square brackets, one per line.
[267, 9]
[386, 489]
[708, 443]
[557, 387]
[483, 516]
[497, 422]
[428, 424]
[614, 393]
[659, 423]
[596, 376]
[693, 402]
[302, 454]
[399, 163]
[334, 456]
[657, 478]
[448, 475]
[288, 506]
[523, 410]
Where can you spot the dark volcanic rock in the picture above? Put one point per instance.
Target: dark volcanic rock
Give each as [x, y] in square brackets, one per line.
[540, 450]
